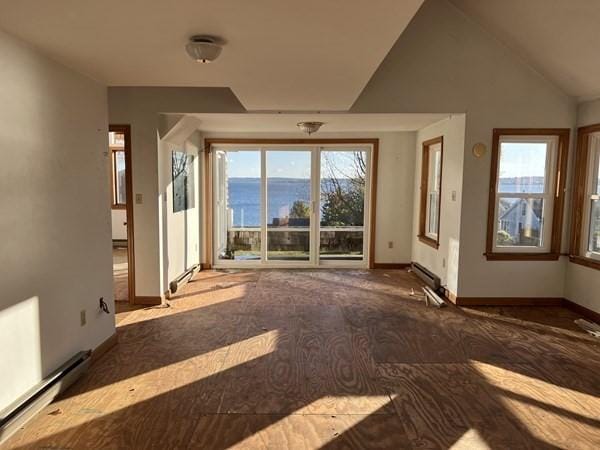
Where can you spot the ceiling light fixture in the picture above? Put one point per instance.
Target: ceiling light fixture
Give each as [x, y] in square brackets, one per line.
[309, 127]
[203, 49]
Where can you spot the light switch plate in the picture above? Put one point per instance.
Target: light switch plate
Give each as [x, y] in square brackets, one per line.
[138, 199]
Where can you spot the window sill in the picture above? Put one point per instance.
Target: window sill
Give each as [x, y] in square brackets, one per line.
[431, 242]
[118, 207]
[583, 261]
[521, 256]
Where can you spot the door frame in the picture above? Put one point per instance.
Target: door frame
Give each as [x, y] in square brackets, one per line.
[126, 130]
[209, 143]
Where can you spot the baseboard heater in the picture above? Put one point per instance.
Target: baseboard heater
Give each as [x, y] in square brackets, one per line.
[428, 277]
[42, 394]
[182, 279]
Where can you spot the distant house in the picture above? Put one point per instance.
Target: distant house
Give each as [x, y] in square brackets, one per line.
[522, 221]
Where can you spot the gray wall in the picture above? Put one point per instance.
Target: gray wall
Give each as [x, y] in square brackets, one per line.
[140, 107]
[444, 62]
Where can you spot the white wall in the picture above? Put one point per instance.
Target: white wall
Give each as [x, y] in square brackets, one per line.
[443, 63]
[181, 247]
[55, 222]
[394, 186]
[118, 218]
[583, 283]
[442, 261]
[140, 107]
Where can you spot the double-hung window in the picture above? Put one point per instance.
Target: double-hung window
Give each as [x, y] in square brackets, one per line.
[117, 147]
[431, 188]
[526, 194]
[585, 239]
[593, 201]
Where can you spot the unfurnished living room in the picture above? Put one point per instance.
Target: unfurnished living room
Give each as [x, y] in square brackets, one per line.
[327, 224]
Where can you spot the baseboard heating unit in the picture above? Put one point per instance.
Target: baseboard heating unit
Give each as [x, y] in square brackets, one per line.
[186, 276]
[25, 407]
[428, 277]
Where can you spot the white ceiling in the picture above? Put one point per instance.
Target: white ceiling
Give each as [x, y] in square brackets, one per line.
[560, 38]
[280, 54]
[334, 123]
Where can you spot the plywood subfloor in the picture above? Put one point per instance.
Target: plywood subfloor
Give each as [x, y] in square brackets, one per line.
[329, 359]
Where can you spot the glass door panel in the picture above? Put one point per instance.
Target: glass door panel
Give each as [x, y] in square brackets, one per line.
[288, 201]
[237, 192]
[343, 184]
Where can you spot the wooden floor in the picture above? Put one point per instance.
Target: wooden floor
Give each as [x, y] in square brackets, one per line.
[120, 274]
[330, 359]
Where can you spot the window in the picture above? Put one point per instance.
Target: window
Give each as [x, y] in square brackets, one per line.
[296, 203]
[431, 186]
[117, 146]
[526, 193]
[585, 239]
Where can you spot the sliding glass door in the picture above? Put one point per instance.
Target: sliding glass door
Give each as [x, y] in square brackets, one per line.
[237, 205]
[343, 186]
[291, 206]
[289, 201]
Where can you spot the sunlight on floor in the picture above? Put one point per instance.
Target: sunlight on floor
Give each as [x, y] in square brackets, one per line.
[325, 427]
[471, 440]
[544, 408]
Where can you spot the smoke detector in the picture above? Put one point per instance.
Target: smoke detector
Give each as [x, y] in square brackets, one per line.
[203, 49]
[310, 127]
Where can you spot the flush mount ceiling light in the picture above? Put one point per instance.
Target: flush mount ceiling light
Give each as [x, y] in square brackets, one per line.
[309, 127]
[203, 49]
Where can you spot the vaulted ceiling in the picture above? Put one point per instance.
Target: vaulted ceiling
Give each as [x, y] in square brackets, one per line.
[314, 55]
[559, 38]
[279, 54]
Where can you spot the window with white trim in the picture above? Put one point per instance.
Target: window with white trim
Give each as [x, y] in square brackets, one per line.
[524, 194]
[592, 199]
[527, 192]
[431, 186]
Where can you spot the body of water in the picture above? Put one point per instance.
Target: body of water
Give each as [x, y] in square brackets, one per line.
[244, 196]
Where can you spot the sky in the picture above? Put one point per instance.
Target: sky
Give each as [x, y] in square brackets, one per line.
[286, 164]
[522, 159]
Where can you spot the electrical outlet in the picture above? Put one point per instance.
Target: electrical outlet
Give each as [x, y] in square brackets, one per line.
[82, 318]
[391, 244]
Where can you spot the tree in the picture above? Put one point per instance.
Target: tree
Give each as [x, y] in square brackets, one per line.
[504, 238]
[343, 190]
[299, 210]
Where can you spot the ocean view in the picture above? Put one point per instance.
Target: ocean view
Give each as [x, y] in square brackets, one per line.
[244, 196]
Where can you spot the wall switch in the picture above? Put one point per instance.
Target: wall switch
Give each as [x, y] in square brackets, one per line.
[391, 244]
[453, 196]
[138, 199]
[444, 262]
[82, 318]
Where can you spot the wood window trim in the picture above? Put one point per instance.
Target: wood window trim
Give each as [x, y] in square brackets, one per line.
[207, 175]
[580, 180]
[558, 188]
[113, 166]
[422, 236]
[126, 130]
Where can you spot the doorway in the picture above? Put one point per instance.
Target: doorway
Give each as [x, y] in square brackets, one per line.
[119, 142]
[293, 203]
